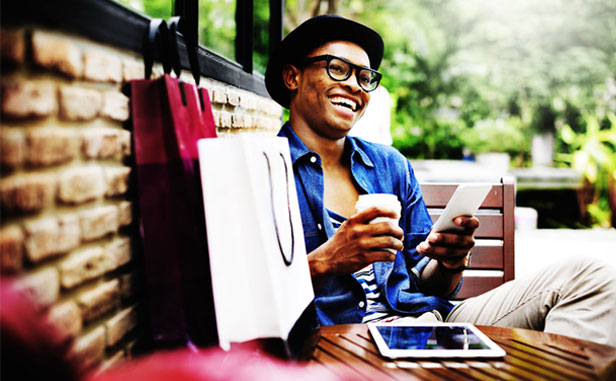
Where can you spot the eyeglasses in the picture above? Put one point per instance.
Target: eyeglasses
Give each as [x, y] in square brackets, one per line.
[340, 69]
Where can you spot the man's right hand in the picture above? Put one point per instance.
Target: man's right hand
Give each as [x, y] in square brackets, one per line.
[356, 244]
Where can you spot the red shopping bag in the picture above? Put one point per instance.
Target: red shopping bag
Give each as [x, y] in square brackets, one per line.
[168, 119]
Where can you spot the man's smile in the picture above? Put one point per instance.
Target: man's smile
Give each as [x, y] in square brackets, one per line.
[344, 102]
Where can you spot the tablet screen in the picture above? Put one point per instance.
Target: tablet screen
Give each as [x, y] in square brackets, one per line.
[443, 340]
[455, 337]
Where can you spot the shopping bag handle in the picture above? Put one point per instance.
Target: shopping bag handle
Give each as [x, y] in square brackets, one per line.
[174, 54]
[175, 24]
[155, 41]
[287, 261]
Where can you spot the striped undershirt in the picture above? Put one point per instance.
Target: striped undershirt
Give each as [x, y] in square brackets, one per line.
[376, 310]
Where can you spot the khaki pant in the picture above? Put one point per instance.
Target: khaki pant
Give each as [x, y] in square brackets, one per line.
[574, 298]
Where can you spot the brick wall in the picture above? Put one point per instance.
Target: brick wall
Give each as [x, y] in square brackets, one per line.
[67, 231]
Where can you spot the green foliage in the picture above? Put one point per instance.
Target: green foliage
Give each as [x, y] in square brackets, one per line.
[495, 135]
[261, 35]
[217, 26]
[451, 65]
[431, 139]
[158, 8]
[594, 155]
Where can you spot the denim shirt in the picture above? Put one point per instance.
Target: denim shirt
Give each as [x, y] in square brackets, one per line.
[376, 168]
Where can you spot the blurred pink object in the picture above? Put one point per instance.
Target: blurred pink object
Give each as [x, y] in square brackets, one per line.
[31, 350]
[213, 365]
[31, 347]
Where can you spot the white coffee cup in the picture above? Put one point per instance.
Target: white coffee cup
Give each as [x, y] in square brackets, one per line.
[384, 201]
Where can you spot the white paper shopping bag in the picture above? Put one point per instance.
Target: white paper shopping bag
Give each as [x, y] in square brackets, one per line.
[260, 276]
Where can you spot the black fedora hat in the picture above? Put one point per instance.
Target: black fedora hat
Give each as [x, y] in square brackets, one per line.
[310, 35]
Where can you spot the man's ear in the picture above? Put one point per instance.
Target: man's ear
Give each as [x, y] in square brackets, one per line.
[290, 77]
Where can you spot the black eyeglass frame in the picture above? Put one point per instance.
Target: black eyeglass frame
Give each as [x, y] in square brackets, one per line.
[357, 69]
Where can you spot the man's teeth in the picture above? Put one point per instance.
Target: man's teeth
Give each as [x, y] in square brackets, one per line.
[344, 102]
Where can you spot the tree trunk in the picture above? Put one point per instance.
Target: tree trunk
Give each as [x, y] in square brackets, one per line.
[316, 8]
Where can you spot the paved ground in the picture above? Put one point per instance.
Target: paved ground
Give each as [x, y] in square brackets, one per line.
[536, 248]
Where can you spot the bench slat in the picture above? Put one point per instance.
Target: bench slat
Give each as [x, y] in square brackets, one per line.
[494, 249]
[487, 257]
[490, 225]
[477, 285]
[437, 195]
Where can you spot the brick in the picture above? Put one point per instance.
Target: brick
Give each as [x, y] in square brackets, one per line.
[248, 101]
[262, 122]
[121, 324]
[119, 252]
[66, 318]
[216, 116]
[88, 349]
[233, 97]
[48, 146]
[27, 192]
[11, 249]
[132, 347]
[225, 119]
[98, 222]
[219, 95]
[102, 66]
[98, 301]
[125, 213]
[129, 286]
[157, 70]
[132, 70]
[238, 121]
[111, 361]
[117, 180]
[79, 103]
[272, 108]
[57, 53]
[28, 98]
[115, 106]
[12, 147]
[48, 237]
[124, 137]
[41, 286]
[83, 265]
[13, 45]
[249, 121]
[80, 184]
[101, 143]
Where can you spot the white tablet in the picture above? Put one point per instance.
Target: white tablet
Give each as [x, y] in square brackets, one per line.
[437, 340]
[465, 201]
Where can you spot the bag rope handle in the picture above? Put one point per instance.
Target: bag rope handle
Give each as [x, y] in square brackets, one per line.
[287, 261]
[155, 46]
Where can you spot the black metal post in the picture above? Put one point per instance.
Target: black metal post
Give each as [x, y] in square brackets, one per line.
[244, 14]
[276, 24]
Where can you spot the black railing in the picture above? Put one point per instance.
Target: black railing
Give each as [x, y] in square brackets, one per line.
[114, 24]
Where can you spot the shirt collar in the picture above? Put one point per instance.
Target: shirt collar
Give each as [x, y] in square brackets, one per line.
[298, 148]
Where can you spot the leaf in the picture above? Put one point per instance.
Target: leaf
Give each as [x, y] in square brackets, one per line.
[583, 164]
[567, 134]
[601, 216]
[592, 125]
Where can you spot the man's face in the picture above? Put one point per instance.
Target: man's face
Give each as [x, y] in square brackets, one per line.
[330, 107]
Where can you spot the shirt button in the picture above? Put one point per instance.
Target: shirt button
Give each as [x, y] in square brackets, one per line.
[319, 227]
[313, 159]
[362, 304]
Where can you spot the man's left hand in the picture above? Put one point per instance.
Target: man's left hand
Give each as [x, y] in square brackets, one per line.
[451, 247]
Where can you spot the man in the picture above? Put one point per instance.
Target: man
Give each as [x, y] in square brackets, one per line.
[324, 72]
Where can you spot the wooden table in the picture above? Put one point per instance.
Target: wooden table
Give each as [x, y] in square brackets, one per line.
[349, 350]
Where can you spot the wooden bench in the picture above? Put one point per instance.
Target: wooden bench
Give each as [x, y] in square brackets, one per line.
[492, 260]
